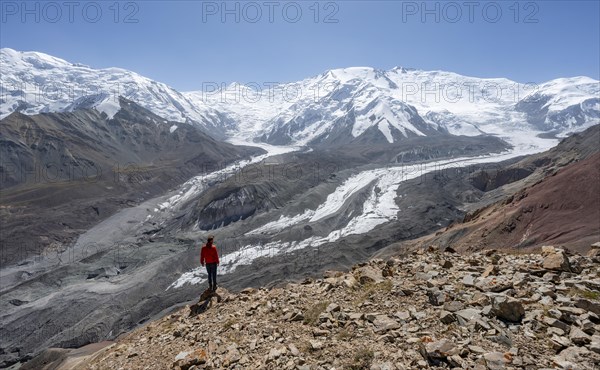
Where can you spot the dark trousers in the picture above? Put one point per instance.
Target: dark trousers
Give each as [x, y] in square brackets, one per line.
[211, 268]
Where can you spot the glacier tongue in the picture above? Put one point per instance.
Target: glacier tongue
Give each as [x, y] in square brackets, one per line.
[379, 207]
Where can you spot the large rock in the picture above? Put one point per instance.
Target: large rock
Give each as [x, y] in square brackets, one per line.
[446, 264]
[436, 297]
[349, 281]
[447, 317]
[595, 345]
[232, 356]
[369, 275]
[495, 360]
[557, 261]
[571, 357]
[494, 284]
[558, 343]
[384, 323]
[468, 280]
[468, 314]
[578, 337]
[556, 323]
[490, 270]
[547, 250]
[588, 305]
[508, 308]
[275, 353]
[333, 307]
[454, 306]
[315, 345]
[441, 349]
[594, 254]
[185, 360]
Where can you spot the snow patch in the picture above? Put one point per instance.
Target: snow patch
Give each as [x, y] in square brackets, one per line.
[108, 106]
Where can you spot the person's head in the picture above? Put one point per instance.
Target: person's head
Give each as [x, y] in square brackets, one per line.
[210, 239]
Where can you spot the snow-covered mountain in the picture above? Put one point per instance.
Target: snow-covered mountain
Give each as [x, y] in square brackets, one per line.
[364, 104]
[350, 105]
[33, 82]
[563, 105]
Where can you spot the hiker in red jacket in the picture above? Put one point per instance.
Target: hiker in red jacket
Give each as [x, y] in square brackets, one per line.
[210, 258]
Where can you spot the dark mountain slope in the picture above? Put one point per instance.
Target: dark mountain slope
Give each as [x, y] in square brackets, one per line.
[63, 172]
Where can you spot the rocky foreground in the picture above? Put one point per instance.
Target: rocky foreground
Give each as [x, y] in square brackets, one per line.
[429, 309]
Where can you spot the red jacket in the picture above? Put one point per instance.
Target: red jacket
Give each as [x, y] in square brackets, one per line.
[209, 254]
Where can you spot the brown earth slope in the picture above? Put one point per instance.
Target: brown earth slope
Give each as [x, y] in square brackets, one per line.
[561, 209]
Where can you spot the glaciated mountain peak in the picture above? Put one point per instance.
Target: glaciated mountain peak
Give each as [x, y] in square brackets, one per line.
[35, 82]
[341, 105]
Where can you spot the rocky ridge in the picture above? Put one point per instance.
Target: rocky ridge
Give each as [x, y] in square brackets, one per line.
[428, 309]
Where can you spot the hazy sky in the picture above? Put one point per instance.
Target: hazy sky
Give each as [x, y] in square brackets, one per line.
[186, 43]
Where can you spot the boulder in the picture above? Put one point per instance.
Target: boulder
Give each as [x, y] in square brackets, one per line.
[436, 297]
[508, 308]
[496, 360]
[293, 350]
[468, 314]
[594, 254]
[446, 264]
[558, 342]
[275, 353]
[403, 315]
[441, 349]
[578, 337]
[296, 316]
[570, 358]
[349, 282]
[453, 306]
[494, 284]
[595, 345]
[557, 261]
[333, 307]
[447, 317]
[553, 322]
[384, 323]
[548, 249]
[315, 345]
[232, 356]
[369, 275]
[187, 359]
[468, 280]
[490, 270]
[588, 305]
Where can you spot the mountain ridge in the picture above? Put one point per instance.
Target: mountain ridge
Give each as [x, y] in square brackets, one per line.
[304, 112]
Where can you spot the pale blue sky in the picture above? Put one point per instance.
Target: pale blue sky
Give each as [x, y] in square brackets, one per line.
[186, 43]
